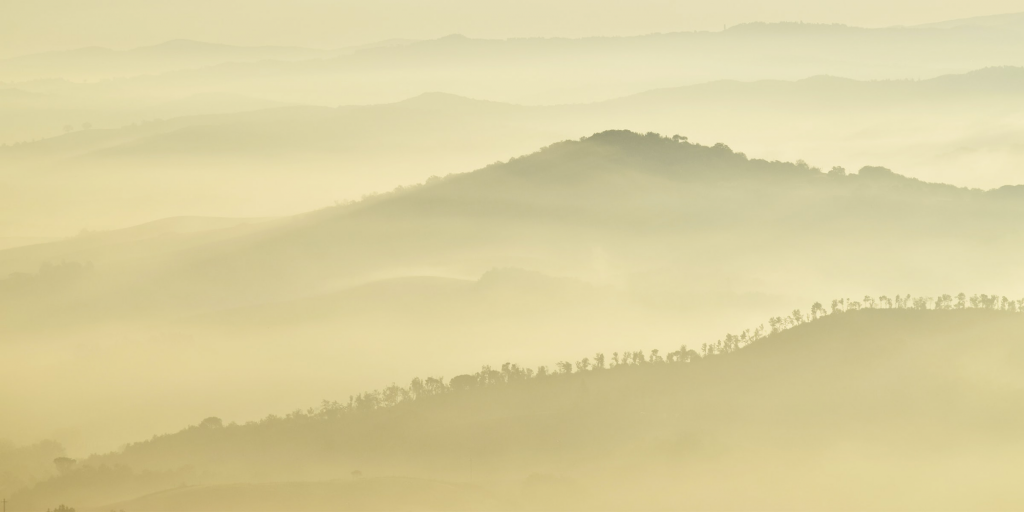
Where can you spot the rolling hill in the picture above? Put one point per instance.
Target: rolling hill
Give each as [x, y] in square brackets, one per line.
[619, 192]
[286, 160]
[617, 236]
[858, 409]
[94, 63]
[593, 69]
[538, 71]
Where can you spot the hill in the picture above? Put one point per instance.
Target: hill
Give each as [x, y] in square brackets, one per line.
[644, 200]
[96, 63]
[628, 236]
[1014, 20]
[538, 71]
[597, 68]
[861, 408]
[286, 160]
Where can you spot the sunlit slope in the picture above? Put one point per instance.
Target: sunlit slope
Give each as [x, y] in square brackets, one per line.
[618, 207]
[863, 409]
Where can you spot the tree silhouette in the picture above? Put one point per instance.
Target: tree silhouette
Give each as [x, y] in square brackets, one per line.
[394, 396]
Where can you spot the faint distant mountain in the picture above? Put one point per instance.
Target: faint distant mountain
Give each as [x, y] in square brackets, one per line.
[96, 63]
[1012, 20]
[645, 201]
[341, 129]
[314, 156]
[561, 70]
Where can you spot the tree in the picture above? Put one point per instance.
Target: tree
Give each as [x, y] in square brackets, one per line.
[416, 388]
[759, 332]
[583, 364]
[463, 382]
[488, 376]
[64, 464]
[817, 311]
[655, 357]
[512, 372]
[798, 317]
[435, 385]
[211, 422]
[393, 395]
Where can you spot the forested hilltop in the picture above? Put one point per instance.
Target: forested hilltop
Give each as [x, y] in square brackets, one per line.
[312, 156]
[844, 400]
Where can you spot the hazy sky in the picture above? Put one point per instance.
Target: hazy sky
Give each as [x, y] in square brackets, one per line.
[28, 26]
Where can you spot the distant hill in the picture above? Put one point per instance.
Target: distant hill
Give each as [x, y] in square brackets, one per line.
[644, 200]
[96, 63]
[315, 156]
[527, 70]
[999, 21]
[591, 69]
[874, 407]
[619, 236]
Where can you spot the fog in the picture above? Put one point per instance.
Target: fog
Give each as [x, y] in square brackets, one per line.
[37, 26]
[496, 256]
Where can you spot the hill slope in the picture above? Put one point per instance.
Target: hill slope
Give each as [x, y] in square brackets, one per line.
[561, 70]
[645, 201]
[658, 239]
[890, 408]
[101, 63]
[960, 129]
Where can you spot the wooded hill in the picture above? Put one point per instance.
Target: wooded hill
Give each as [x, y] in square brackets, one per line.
[911, 403]
[281, 161]
[620, 238]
